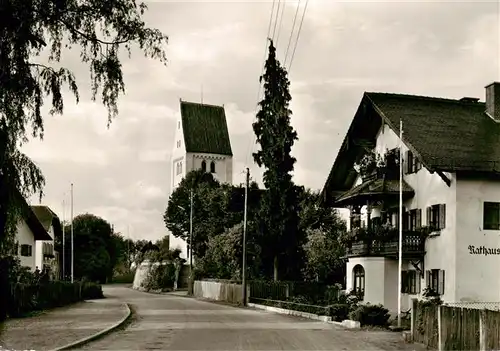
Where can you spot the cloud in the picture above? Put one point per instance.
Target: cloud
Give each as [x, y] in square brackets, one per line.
[122, 172]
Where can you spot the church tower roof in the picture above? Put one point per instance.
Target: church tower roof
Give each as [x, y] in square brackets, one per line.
[205, 129]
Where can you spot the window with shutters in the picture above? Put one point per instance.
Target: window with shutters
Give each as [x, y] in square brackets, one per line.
[412, 164]
[414, 219]
[359, 279]
[26, 250]
[436, 216]
[410, 282]
[436, 280]
[491, 216]
[406, 224]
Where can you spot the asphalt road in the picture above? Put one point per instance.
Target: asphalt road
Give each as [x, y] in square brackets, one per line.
[167, 322]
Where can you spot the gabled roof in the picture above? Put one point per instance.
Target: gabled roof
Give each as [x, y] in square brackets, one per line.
[47, 218]
[446, 135]
[205, 129]
[36, 227]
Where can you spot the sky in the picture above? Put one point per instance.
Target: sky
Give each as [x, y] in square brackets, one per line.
[216, 49]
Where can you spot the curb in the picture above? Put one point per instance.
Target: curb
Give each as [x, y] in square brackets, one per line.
[98, 334]
[345, 324]
[167, 293]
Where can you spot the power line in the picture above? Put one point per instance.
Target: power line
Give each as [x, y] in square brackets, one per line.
[261, 73]
[291, 33]
[298, 36]
[276, 21]
[279, 25]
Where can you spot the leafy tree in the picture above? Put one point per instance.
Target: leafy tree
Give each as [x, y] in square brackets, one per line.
[92, 240]
[163, 252]
[323, 258]
[223, 258]
[136, 251]
[276, 136]
[314, 216]
[323, 251]
[99, 28]
[177, 214]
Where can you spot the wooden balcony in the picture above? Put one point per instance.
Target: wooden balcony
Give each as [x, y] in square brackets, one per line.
[413, 247]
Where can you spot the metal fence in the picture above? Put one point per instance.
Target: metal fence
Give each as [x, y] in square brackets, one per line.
[307, 293]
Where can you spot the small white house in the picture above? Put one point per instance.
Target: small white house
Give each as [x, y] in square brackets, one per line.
[451, 189]
[29, 232]
[201, 142]
[46, 256]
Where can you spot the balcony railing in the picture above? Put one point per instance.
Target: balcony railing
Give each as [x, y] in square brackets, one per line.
[413, 246]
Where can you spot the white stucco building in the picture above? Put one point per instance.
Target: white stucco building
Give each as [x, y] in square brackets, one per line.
[451, 151]
[45, 253]
[201, 142]
[30, 233]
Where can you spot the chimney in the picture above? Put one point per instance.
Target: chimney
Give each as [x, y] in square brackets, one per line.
[493, 101]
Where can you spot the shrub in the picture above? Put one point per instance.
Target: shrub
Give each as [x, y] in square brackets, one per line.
[26, 298]
[339, 311]
[91, 291]
[376, 315]
[161, 276]
[125, 278]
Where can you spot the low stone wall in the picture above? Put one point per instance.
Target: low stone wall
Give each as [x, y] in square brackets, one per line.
[216, 291]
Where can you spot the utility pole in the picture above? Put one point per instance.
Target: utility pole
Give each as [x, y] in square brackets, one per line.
[190, 252]
[128, 249]
[64, 242]
[244, 265]
[191, 233]
[72, 240]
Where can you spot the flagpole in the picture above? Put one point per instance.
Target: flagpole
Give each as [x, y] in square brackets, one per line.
[400, 251]
[72, 239]
[64, 241]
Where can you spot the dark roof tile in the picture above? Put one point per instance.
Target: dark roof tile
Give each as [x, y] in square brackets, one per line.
[446, 134]
[205, 129]
[449, 135]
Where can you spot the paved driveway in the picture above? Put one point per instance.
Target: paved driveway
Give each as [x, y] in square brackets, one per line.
[167, 322]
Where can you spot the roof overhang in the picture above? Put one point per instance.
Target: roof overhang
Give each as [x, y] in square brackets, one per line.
[39, 232]
[361, 136]
[374, 191]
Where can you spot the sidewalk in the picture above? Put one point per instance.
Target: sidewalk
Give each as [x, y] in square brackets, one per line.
[62, 326]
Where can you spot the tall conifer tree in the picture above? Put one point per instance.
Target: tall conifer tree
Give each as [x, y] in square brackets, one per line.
[276, 136]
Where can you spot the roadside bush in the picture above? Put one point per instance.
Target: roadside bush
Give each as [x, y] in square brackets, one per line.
[125, 278]
[26, 298]
[339, 312]
[367, 314]
[91, 291]
[160, 276]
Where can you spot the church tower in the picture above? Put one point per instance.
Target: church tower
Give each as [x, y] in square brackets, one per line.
[201, 142]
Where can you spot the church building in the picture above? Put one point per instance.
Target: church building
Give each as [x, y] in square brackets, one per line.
[201, 142]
